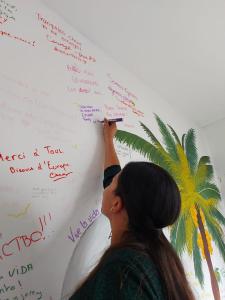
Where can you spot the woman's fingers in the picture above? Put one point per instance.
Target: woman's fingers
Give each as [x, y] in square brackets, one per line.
[110, 129]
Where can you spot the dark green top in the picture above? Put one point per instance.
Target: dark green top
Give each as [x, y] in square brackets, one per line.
[126, 274]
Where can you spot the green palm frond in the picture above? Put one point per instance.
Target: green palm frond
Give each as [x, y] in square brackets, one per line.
[177, 235]
[191, 150]
[217, 215]
[171, 165]
[189, 228]
[145, 148]
[183, 140]
[209, 190]
[197, 259]
[209, 173]
[204, 171]
[154, 140]
[167, 139]
[138, 144]
[204, 160]
[174, 134]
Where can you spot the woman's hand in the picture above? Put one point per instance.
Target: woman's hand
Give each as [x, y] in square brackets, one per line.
[109, 130]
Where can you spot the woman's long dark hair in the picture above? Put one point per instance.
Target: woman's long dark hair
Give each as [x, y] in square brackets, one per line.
[152, 201]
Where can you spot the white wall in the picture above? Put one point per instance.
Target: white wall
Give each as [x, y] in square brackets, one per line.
[42, 103]
[215, 134]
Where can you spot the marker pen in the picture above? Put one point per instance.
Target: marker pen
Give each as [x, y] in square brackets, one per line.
[113, 120]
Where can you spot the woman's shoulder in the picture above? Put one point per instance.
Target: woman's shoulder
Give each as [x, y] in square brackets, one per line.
[125, 274]
[132, 271]
[123, 254]
[129, 257]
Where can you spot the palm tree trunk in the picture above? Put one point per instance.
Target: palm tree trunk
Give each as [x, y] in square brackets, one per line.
[214, 283]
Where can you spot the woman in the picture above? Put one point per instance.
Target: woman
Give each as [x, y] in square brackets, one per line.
[139, 201]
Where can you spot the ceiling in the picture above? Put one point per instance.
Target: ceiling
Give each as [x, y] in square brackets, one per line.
[176, 47]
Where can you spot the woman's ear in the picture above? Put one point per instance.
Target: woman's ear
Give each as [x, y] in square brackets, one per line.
[117, 205]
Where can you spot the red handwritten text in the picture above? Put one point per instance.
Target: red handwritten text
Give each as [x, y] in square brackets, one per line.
[21, 242]
[57, 170]
[2, 20]
[20, 39]
[53, 151]
[12, 157]
[62, 43]
[50, 25]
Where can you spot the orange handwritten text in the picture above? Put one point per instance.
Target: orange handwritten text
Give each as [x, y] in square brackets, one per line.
[124, 96]
[122, 88]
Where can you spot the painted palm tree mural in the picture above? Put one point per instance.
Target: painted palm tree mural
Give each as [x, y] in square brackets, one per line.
[200, 220]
